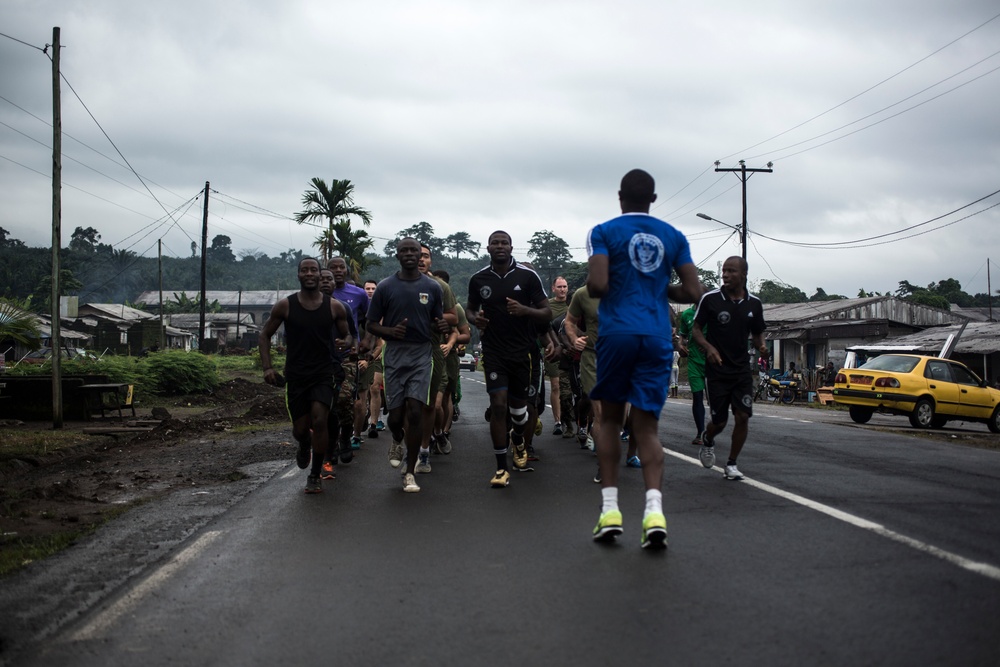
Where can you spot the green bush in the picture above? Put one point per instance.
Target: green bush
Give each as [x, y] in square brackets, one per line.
[175, 373]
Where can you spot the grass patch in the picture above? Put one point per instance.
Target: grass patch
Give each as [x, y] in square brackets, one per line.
[19, 552]
[21, 444]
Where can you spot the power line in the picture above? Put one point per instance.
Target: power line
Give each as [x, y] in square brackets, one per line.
[879, 236]
[37, 48]
[867, 90]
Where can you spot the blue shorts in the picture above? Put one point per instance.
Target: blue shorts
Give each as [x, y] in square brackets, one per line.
[634, 369]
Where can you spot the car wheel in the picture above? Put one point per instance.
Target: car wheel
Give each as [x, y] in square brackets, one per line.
[994, 422]
[939, 421]
[923, 414]
[860, 415]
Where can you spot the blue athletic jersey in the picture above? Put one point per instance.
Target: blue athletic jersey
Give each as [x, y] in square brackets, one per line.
[642, 254]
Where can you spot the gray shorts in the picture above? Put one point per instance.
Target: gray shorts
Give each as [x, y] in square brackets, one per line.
[407, 372]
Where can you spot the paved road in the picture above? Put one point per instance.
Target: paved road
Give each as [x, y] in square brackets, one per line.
[846, 546]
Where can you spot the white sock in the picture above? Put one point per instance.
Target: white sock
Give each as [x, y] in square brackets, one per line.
[609, 495]
[654, 502]
[425, 450]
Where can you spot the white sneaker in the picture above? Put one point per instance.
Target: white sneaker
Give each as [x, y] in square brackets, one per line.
[733, 473]
[707, 456]
[423, 462]
[590, 443]
[410, 483]
[395, 454]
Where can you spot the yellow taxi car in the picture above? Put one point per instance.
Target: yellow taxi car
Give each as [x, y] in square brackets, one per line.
[929, 390]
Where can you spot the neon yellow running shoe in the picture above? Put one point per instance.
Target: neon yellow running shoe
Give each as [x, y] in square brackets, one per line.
[609, 526]
[654, 531]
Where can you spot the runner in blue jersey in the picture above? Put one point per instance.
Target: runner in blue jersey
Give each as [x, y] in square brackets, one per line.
[632, 258]
[351, 412]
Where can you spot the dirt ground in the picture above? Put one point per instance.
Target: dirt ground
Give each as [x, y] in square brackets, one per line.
[79, 486]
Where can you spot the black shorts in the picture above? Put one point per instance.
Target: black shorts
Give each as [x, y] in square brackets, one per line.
[513, 374]
[725, 393]
[301, 394]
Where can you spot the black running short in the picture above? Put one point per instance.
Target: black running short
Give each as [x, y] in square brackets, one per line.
[725, 393]
[513, 374]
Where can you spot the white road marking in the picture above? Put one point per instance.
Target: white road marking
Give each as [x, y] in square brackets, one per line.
[99, 625]
[984, 569]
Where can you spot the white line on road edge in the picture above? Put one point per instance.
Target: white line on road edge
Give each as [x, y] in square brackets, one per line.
[99, 625]
[984, 569]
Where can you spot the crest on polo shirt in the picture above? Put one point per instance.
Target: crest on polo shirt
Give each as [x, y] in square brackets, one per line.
[485, 292]
[646, 252]
[424, 298]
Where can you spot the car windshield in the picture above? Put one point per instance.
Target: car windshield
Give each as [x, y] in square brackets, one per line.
[892, 363]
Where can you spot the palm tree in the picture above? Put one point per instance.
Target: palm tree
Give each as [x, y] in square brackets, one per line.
[331, 202]
[18, 324]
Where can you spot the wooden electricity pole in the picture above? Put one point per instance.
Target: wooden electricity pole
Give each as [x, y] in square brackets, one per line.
[54, 343]
[204, 265]
[741, 173]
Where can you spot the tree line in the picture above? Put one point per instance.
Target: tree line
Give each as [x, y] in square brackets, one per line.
[98, 273]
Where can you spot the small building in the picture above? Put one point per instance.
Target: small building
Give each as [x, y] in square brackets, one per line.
[815, 332]
[222, 328]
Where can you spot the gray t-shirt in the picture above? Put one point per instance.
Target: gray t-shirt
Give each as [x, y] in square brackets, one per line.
[419, 301]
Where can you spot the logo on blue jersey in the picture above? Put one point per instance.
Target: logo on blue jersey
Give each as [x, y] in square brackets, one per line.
[646, 252]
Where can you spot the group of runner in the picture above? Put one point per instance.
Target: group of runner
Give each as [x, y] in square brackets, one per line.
[608, 352]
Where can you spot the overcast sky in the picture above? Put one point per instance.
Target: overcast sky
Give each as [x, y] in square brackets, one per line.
[523, 116]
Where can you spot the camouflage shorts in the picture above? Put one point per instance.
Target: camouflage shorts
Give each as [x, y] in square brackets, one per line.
[344, 408]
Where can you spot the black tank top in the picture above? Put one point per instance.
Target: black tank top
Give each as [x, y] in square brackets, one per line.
[309, 334]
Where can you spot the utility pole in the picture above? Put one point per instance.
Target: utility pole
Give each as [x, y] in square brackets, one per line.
[54, 343]
[741, 173]
[159, 272]
[204, 264]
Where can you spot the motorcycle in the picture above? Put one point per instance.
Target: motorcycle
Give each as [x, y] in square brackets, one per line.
[786, 391]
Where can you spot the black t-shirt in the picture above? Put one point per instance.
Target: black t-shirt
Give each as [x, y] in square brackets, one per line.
[506, 334]
[730, 323]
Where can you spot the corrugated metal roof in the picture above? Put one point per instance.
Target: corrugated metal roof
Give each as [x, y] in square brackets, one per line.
[119, 311]
[978, 338]
[226, 298]
[887, 308]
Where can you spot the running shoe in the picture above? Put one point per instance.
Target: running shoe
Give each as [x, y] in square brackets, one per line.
[356, 442]
[520, 456]
[625, 434]
[707, 455]
[591, 445]
[346, 455]
[410, 483]
[633, 462]
[699, 440]
[329, 472]
[581, 435]
[569, 429]
[557, 429]
[445, 442]
[395, 454]
[532, 455]
[500, 479]
[538, 426]
[423, 462]
[436, 444]
[379, 425]
[313, 485]
[733, 473]
[654, 531]
[372, 431]
[304, 454]
[597, 475]
[609, 526]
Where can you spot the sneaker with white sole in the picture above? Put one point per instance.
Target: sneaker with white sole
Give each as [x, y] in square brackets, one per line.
[395, 454]
[423, 462]
[733, 473]
[445, 443]
[609, 526]
[707, 455]
[654, 531]
[410, 483]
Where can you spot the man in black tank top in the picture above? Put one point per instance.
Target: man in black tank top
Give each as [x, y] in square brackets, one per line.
[315, 327]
